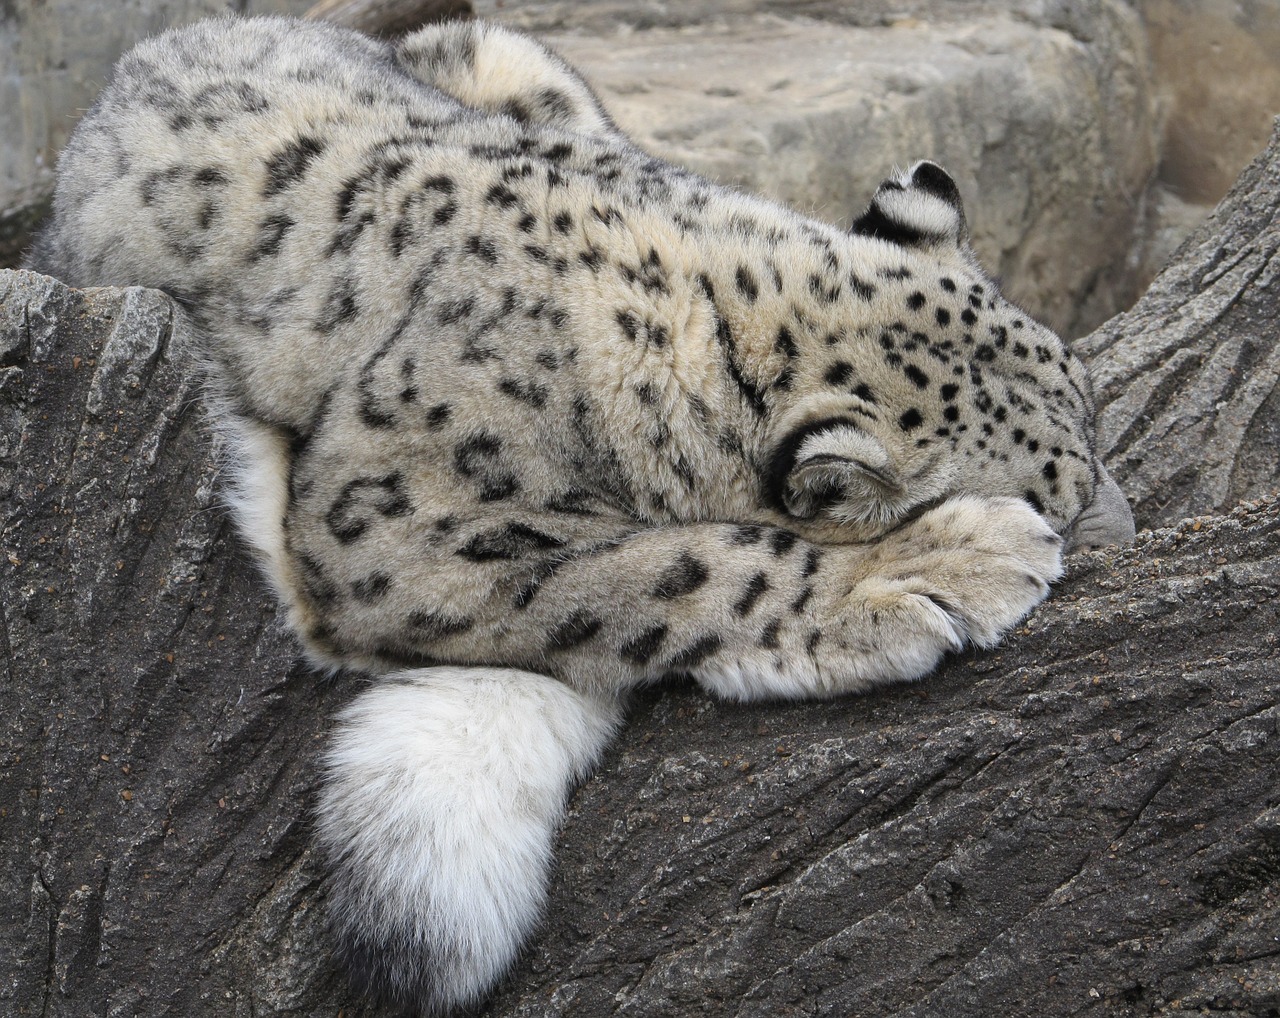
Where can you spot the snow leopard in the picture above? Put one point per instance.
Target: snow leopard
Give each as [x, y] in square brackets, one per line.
[521, 416]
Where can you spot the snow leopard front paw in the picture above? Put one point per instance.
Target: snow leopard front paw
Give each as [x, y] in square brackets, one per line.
[964, 572]
[984, 562]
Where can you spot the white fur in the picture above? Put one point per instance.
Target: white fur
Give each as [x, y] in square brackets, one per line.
[258, 493]
[922, 211]
[444, 788]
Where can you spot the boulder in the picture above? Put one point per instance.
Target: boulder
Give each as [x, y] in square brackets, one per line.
[1216, 69]
[1187, 379]
[1046, 120]
[1082, 820]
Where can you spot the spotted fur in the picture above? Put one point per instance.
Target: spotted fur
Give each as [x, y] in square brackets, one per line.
[522, 417]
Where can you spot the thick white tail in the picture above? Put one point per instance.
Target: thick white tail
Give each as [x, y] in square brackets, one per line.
[443, 790]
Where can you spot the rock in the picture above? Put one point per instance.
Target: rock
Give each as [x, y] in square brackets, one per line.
[388, 18]
[158, 750]
[1046, 121]
[1082, 820]
[1216, 66]
[1188, 381]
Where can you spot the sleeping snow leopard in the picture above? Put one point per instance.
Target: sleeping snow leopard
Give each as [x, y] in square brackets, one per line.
[522, 417]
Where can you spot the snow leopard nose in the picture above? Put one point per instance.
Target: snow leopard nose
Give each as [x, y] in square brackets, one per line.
[1108, 521]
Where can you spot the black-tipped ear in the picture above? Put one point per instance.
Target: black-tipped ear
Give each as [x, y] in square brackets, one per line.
[831, 463]
[933, 178]
[917, 208]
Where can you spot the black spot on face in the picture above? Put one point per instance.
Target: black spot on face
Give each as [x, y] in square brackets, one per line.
[916, 301]
[918, 378]
[746, 284]
[910, 420]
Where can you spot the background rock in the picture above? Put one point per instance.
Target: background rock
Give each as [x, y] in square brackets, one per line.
[1082, 821]
[1045, 119]
[1050, 114]
[1217, 66]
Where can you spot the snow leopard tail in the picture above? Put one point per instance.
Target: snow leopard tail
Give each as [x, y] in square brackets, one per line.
[442, 793]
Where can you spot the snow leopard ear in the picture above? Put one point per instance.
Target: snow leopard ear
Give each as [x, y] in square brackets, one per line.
[918, 208]
[837, 467]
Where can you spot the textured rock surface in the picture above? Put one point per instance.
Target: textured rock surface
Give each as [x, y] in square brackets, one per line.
[1189, 379]
[157, 747]
[1083, 821]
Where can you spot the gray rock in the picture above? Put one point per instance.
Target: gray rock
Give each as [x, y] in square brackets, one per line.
[1045, 119]
[1216, 63]
[1188, 381]
[1081, 821]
